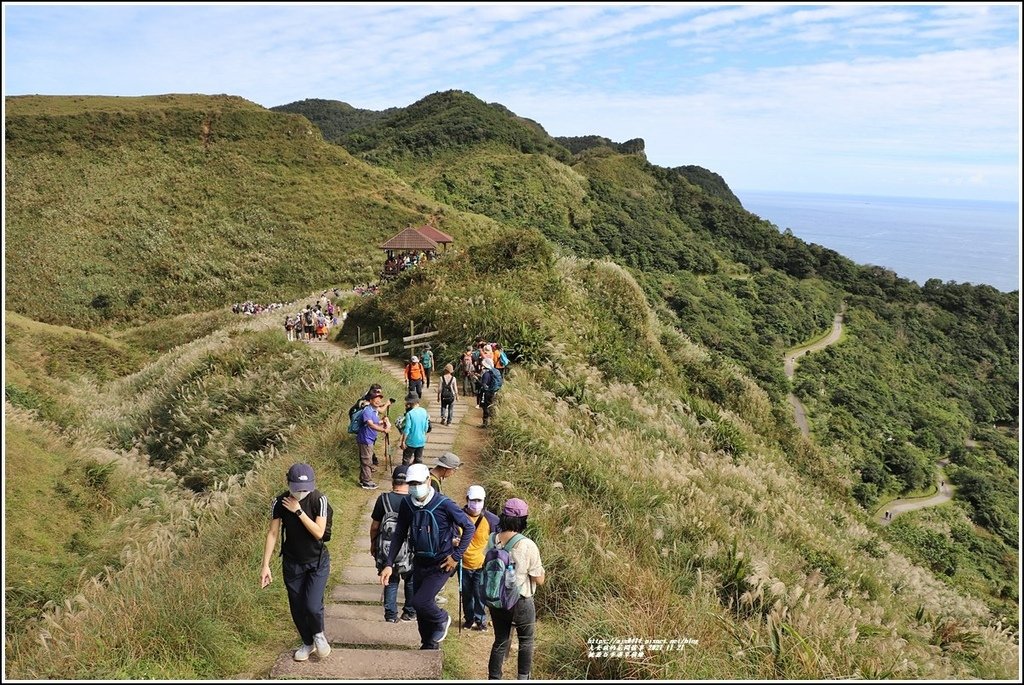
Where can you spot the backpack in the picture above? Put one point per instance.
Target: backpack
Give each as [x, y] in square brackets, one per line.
[448, 390]
[496, 381]
[499, 578]
[503, 358]
[355, 416]
[309, 318]
[403, 560]
[425, 532]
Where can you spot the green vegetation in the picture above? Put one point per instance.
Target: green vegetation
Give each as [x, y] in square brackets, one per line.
[334, 119]
[646, 314]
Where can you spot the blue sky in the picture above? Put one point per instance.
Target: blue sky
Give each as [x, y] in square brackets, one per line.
[897, 100]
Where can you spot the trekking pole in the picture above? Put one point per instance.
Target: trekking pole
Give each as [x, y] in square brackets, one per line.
[460, 596]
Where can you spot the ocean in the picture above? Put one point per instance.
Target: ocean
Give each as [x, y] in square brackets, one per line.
[967, 241]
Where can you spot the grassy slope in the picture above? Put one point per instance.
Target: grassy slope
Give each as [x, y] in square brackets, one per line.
[147, 207]
[670, 469]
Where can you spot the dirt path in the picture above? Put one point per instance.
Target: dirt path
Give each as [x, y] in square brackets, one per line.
[789, 363]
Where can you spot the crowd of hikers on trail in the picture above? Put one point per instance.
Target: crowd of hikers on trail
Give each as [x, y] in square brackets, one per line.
[251, 308]
[314, 322]
[419, 537]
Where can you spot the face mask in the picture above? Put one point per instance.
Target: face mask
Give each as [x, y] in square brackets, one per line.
[299, 495]
[420, 491]
[475, 507]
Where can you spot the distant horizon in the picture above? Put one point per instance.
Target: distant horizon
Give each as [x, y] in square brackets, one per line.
[737, 192]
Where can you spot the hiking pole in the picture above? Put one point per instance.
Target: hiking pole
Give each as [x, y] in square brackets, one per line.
[460, 596]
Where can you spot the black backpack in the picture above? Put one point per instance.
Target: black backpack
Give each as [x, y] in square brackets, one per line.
[309, 318]
[448, 390]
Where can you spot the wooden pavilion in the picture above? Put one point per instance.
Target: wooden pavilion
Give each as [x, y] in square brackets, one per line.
[404, 249]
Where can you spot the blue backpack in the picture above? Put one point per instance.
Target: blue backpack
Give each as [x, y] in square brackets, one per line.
[425, 531]
[496, 380]
[501, 591]
[355, 416]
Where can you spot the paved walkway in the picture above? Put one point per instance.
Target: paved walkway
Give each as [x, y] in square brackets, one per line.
[789, 364]
[944, 493]
[365, 646]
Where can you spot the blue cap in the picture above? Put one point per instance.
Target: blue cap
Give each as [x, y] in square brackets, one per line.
[300, 478]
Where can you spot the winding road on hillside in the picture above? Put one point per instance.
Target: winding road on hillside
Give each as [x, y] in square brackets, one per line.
[799, 412]
[944, 493]
[944, 489]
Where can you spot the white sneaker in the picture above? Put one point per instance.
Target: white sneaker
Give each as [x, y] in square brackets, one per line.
[440, 599]
[303, 652]
[323, 647]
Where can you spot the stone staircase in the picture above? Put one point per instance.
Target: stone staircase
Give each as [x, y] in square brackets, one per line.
[365, 647]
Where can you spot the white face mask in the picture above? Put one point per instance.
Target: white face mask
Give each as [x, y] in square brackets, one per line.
[299, 495]
[419, 492]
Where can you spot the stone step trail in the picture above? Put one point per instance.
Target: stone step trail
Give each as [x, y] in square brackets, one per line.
[365, 646]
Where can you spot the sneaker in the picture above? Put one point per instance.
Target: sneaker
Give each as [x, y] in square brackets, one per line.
[444, 633]
[370, 485]
[441, 599]
[468, 625]
[391, 620]
[408, 617]
[303, 652]
[481, 626]
[323, 647]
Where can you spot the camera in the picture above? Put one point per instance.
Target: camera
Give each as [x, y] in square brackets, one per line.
[392, 400]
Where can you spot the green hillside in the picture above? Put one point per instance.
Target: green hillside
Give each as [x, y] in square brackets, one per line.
[645, 420]
[139, 208]
[334, 119]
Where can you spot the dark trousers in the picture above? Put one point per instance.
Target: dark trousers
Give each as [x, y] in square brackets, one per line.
[426, 372]
[412, 455]
[391, 594]
[447, 410]
[416, 387]
[524, 617]
[306, 584]
[487, 399]
[473, 606]
[428, 580]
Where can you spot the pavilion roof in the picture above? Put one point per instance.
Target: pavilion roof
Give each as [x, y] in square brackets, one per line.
[435, 235]
[409, 239]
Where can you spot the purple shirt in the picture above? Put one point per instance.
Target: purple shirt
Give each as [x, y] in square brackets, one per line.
[366, 435]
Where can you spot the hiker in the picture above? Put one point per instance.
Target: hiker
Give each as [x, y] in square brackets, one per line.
[414, 430]
[427, 361]
[529, 574]
[305, 561]
[468, 372]
[447, 393]
[385, 515]
[473, 562]
[490, 382]
[414, 375]
[366, 437]
[501, 361]
[436, 558]
[445, 466]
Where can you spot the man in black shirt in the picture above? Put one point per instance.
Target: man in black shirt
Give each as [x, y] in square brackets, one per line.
[305, 562]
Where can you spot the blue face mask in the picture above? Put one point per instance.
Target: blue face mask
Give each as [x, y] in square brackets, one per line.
[419, 491]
